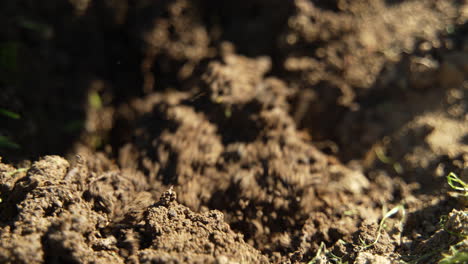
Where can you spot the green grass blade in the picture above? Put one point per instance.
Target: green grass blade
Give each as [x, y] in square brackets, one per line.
[7, 143]
[9, 114]
[456, 183]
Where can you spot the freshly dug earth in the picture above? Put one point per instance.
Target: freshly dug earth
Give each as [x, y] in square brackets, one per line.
[211, 132]
[93, 213]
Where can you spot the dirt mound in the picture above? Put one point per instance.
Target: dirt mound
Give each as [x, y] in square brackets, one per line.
[57, 212]
[269, 181]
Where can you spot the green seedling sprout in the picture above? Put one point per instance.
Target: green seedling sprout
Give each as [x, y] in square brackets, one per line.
[41, 28]
[336, 259]
[457, 183]
[387, 160]
[9, 114]
[418, 259]
[455, 255]
[95, 100]
[317, 255]
[4, 141]
[442, 224]
[228, 112]
[11, 173]
[389, 214]
[9, 55]
[382, 156]
[329, 255]
[7, 143]
[450, 29]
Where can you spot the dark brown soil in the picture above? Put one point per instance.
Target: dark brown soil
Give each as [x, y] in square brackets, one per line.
[232, 132]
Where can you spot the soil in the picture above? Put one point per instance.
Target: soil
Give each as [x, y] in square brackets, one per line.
[230, 132]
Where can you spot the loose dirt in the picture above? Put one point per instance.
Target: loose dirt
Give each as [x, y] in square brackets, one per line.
[208, 132]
